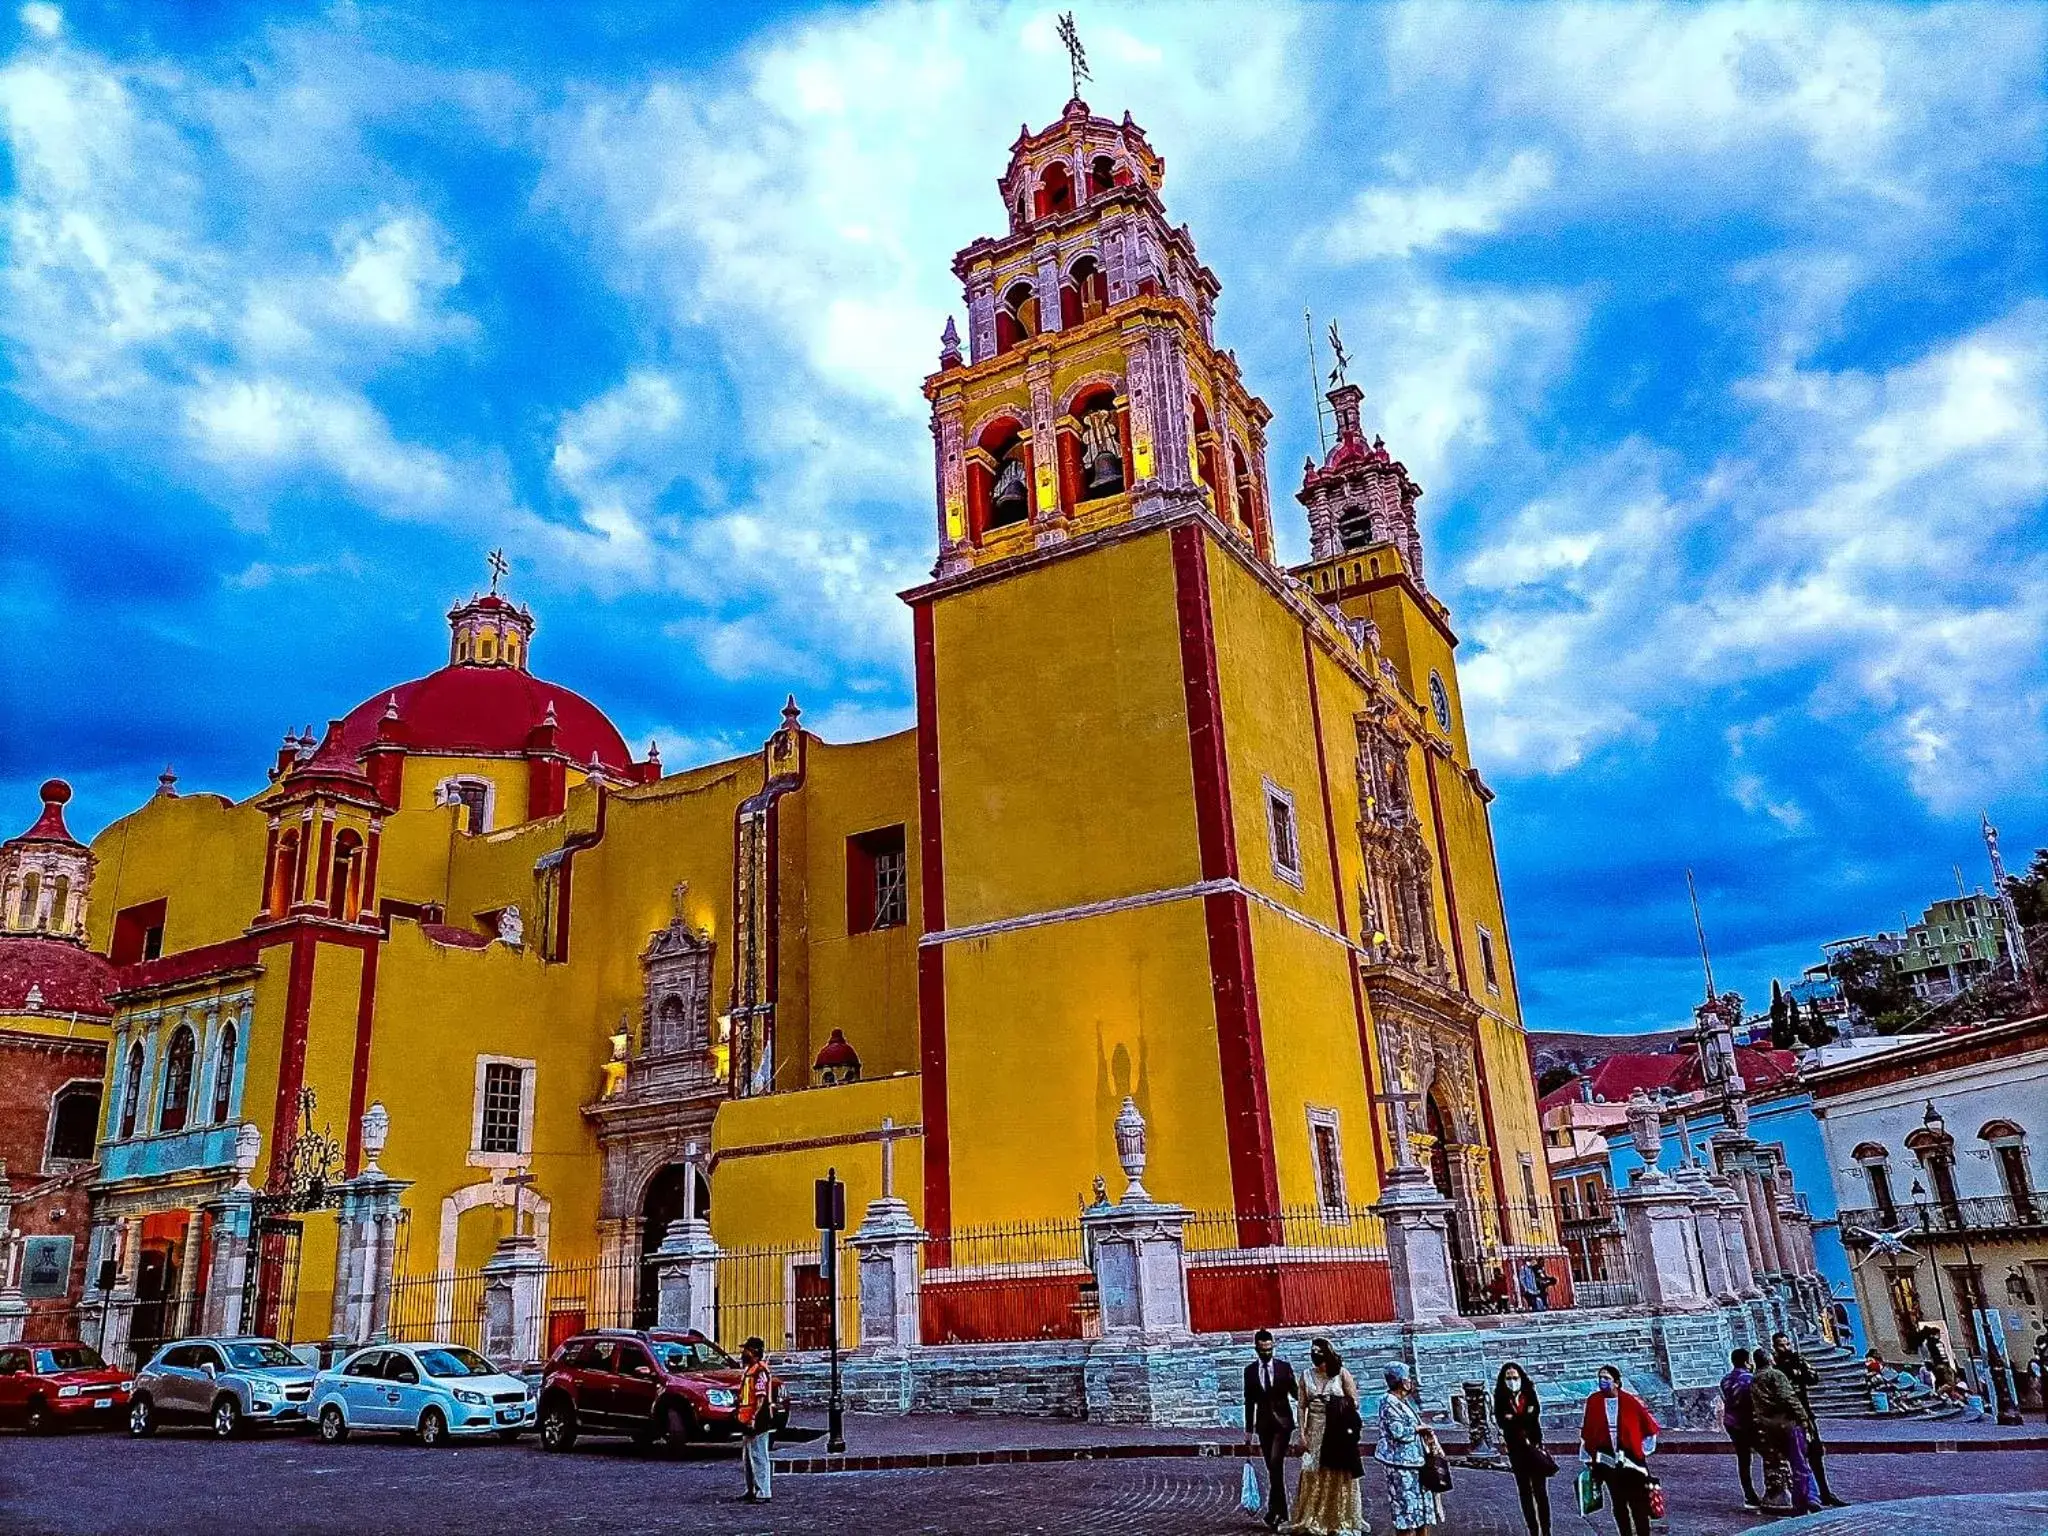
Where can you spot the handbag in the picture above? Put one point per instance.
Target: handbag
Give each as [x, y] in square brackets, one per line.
[1656, 1499]
[1590, 1497]
[1248, 1498]
[1545, 1462]
[1436, 1473]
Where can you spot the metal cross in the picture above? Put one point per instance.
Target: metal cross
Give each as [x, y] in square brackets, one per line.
[1077, 56]
[1404, 1153]
[499, 567]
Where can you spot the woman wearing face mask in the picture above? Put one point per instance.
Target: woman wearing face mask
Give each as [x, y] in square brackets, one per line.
[1327, 1501]
[1520, 1418]
[1617, 1439]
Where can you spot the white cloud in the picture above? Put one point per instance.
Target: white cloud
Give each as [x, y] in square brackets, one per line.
[46, 21]
[397, 272]
[1398, 221]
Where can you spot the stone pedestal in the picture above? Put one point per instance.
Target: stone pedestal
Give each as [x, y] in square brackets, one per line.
[1417, 1221]
[13, 1310]
[1663, 1244]
[512, 1302]
[1706, 1221]
[365, 1251]
[1140, 1269]
[228, 1278]
[1734, 1238]
[887, 1242]
[686, 1274]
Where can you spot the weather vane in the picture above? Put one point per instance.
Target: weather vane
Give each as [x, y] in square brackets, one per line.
[1077, 56]
[499, 566]
[1343, 357]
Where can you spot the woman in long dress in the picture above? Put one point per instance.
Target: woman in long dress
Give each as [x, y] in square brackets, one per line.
[1405, 1442]
[1327, 1503]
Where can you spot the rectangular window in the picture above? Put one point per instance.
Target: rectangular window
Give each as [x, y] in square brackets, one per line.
[138, 933]
[1486, 962]
[1281, 830]
[1328, 1151]
[1529, 1185]
[503, 1126]
[877, 880]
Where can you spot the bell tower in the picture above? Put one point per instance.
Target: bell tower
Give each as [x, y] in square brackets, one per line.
[1090, 390]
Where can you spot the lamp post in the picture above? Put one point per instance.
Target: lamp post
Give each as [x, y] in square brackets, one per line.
[2007, 1412]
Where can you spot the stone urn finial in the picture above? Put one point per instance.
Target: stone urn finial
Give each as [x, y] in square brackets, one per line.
[1130, 1151]
[1645, 1129]
[248, 1148]
[376, 1132]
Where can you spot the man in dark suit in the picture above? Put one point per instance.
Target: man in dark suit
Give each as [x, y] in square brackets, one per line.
[1269, 1418]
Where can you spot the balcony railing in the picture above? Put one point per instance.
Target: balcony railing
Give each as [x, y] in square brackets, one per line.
[1980, 1213]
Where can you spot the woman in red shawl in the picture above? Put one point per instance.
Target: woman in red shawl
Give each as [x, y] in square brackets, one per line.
[1617, 1439]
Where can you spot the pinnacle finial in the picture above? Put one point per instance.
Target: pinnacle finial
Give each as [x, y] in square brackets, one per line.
[790, 714]
[949, 345]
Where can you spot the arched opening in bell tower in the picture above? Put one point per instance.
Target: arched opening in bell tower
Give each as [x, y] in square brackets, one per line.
[1016, 317]
[999, 478]
[677, 1191]
[1055, 190]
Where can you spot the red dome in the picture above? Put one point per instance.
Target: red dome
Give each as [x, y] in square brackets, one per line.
[72, 978]
[463, 709]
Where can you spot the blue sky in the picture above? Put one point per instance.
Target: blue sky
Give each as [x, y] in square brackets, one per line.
[1717, 336]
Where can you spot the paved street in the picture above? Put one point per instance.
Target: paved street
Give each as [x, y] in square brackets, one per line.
[181, 1483]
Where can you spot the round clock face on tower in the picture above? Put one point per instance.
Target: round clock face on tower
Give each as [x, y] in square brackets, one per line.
[1440, 703]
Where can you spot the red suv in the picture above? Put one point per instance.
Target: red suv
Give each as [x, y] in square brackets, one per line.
[43, 1386]
[653, 1386]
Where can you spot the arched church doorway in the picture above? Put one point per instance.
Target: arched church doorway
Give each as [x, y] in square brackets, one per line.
[678, 1190]
[1464, 1268]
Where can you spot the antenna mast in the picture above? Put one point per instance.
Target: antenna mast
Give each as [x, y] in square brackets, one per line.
[1700, 928]
[2008, 914]
[1315, 383]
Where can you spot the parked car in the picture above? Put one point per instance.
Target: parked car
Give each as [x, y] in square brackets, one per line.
[652, 1386]
[429, 1390]
[233, 1384]
[46, 1386]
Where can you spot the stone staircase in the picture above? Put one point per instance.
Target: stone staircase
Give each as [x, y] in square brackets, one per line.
[1842, 1393]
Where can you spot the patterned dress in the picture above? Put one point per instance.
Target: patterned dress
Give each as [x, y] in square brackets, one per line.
[1400, 1451]
[1328, 1502]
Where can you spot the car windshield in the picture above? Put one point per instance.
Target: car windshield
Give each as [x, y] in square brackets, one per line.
[455, 1362]
[260, 1356]
[69, 1357]
[700, 1356]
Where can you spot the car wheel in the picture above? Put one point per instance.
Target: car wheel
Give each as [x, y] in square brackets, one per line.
[227, 1418]
[557, 1426]
[141, 1418]
[333, 1427]
[433, 1428]
[37, 1421]
[679, 1425]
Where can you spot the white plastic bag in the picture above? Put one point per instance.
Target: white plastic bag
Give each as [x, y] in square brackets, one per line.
[1249, 1499]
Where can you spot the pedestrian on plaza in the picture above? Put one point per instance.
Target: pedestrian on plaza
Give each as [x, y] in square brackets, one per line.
[1269, 1389]
[757, 1393]
[1405, 1444]
[1738, 1418]
[1617, 1438]
[1326, 1502]
[1520, 1417]
[1536, 1285]
[1780, 1419]
[1805, 1377]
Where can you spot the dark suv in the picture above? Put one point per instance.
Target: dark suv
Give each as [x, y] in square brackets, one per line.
[652, 1386]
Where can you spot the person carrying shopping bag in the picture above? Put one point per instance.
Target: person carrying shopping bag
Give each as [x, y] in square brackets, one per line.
[1616, 1440]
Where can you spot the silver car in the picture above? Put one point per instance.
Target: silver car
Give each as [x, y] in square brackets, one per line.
[233, 1385]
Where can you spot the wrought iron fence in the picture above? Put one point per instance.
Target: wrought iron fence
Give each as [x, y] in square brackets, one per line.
[780, 1295]
[1028, 1280]
[1316, 1265]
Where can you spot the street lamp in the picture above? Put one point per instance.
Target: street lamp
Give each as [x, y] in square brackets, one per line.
[2007, 1411]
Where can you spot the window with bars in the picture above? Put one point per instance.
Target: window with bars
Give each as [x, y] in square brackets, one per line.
[877, 880]
[1329, 1158]
[1286, 840]
[504, 1095]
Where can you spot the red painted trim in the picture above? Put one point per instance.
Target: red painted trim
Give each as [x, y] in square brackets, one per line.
[1371, 584]
[1248, 1119]
[359, 1082]
[931, 958]
[368, 899]
[1365, 1042]
[572, 845]
[291, 1068]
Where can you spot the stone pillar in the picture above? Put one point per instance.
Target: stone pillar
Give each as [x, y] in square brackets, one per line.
[1136, 1249]
[1706, 1220]
[1417, 1221]
[366, 1247]
[13, 1310]
[513, 1278]
[1663, 1244]
[187, 1292]
[233, 1225]
[887, 1241]
[117, 1306]
[1735, 1238]
[686, 1269]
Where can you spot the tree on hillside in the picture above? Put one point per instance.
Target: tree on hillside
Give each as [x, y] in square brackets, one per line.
[1811, 1026]
[1553, 1077]
[2030, 891]
[1782, 1037]
[1872, 986]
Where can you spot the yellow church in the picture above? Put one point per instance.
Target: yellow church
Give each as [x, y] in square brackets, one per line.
[1175, 823]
